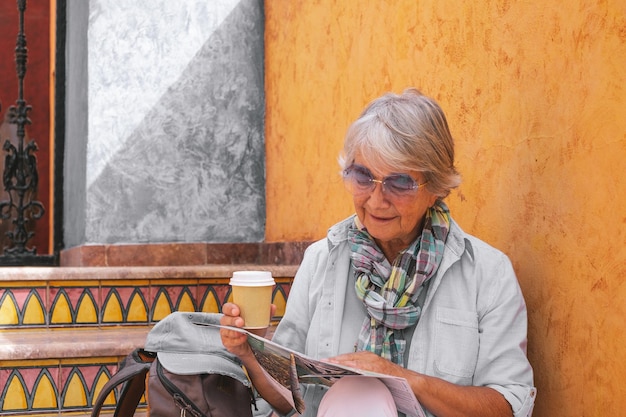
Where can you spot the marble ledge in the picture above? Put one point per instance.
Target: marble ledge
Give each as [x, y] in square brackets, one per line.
[65, 343]
[10, 274]
[181, 254]
[70, 343]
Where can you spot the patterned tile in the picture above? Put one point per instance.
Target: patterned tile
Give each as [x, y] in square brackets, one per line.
[23, 306]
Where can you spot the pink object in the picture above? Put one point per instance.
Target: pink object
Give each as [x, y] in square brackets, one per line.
[357, 396]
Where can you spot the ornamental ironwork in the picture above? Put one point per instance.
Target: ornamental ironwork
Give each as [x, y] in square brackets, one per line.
[20, 177]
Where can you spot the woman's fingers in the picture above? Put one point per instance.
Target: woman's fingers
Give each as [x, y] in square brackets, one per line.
[231, 316]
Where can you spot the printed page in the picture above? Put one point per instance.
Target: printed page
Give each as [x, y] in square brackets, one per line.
[289, 367]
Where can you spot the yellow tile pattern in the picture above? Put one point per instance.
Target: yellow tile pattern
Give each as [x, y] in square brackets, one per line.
[50, 392]
[34, 312]
[8, 312]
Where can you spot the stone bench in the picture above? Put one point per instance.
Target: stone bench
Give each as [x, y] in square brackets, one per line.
[59, 344]
[64, 330]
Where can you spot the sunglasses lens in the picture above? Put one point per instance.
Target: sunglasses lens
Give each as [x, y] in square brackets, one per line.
[361, 177]
[358, 179]
[400, 184]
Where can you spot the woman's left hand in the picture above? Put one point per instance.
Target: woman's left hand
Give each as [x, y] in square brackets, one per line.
[368, 361]
[440, 397]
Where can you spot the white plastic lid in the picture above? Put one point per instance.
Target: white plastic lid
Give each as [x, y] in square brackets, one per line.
[252, 278]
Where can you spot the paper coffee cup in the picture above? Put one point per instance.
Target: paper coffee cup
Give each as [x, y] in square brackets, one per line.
[252, 292]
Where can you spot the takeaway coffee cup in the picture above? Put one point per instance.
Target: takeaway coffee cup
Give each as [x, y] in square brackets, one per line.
[252, 292]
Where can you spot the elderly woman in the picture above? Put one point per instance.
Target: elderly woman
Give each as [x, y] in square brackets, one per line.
[398, 288]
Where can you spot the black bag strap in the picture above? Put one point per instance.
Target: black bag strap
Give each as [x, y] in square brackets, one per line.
[132, 373]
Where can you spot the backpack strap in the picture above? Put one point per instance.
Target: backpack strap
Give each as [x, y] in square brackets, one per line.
[185, 404]
[132, 373]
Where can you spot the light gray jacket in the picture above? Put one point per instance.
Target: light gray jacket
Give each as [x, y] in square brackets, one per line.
[472, 330]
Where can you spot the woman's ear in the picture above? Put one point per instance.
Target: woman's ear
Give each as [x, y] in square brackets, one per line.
[433, 199]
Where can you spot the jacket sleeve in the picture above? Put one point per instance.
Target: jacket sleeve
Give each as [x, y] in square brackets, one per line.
[502, 361]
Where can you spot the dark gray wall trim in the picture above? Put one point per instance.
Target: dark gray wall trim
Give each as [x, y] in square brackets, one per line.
[76, 117]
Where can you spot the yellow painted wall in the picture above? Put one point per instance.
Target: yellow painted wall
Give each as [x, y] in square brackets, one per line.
[535, 96]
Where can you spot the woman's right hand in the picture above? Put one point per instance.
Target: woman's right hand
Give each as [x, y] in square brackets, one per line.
[279, 397]
[235, 342]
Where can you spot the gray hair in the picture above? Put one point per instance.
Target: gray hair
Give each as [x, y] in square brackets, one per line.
[405, 131]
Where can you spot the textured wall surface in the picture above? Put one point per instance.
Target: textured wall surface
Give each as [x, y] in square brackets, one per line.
[175, 148]
[535, 96]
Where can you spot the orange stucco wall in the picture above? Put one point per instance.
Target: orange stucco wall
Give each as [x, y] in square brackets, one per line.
[535, 95]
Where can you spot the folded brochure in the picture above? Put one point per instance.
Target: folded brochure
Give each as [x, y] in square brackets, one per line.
[290, 368]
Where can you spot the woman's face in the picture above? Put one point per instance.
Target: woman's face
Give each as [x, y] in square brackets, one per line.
[394, 222]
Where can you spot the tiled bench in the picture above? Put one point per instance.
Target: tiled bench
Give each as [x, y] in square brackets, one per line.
[64, 330]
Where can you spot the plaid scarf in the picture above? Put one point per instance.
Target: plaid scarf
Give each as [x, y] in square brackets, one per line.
[389, 292]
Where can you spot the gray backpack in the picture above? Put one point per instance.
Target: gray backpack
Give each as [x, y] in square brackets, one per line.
[189, 373]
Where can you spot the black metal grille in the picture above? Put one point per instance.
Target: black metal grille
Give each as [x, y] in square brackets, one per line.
[20, 177]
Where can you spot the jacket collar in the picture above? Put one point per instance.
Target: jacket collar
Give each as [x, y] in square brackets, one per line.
[338, 233]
